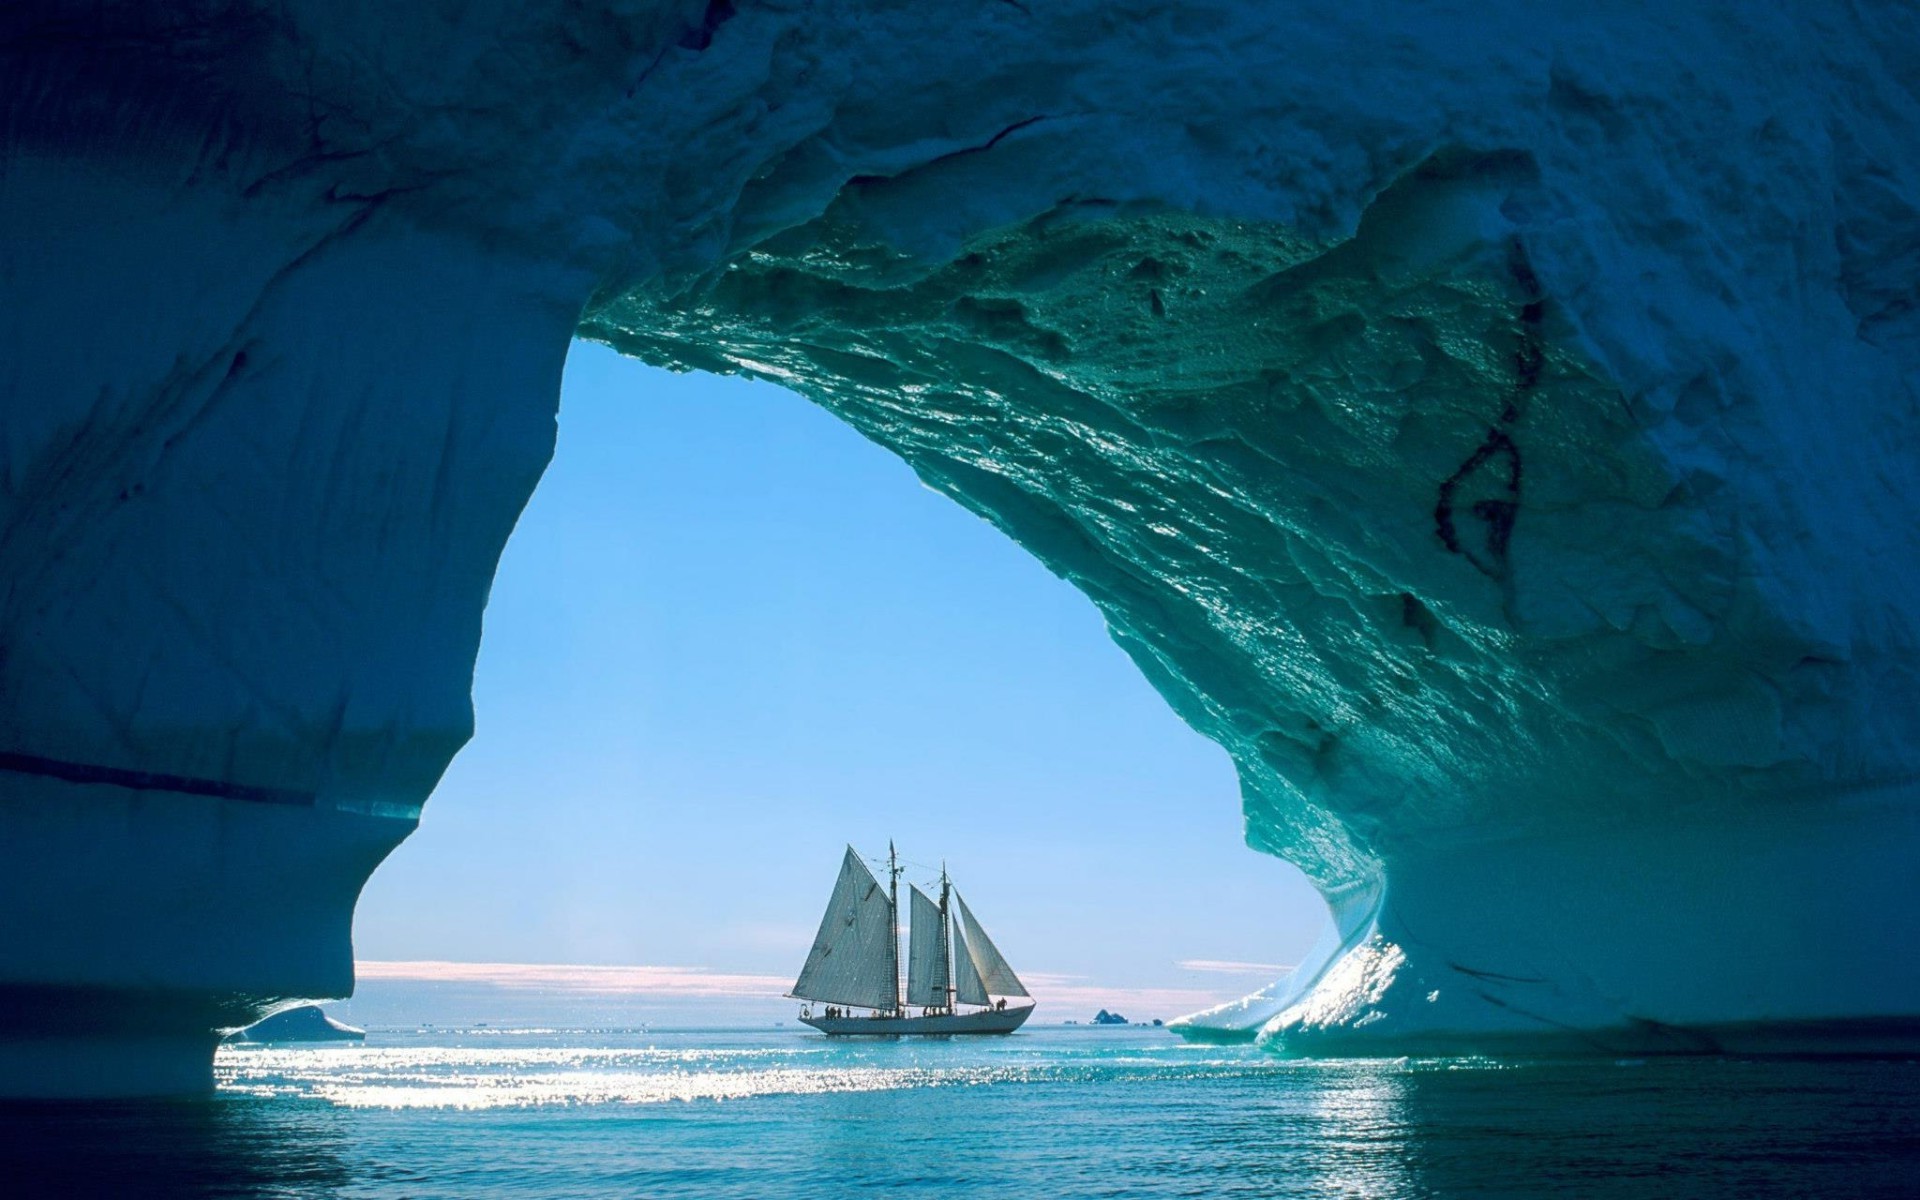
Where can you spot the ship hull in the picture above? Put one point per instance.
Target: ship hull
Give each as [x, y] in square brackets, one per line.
[945, 1025]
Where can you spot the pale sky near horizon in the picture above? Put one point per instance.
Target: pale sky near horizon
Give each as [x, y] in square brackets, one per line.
[730, 636]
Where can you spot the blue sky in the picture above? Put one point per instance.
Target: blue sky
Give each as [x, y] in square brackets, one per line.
[728, 636]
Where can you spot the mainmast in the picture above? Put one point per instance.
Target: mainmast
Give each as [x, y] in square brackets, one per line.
[893, 931]
[946, 938]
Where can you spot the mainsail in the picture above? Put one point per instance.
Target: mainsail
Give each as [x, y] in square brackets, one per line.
[926, 953]
[852, 961]
[995, 976]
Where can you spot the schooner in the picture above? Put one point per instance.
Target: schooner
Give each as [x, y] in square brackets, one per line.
[855, 963]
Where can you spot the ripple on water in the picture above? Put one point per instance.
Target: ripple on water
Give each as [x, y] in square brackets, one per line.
[1061, 1114]
[470, 1076]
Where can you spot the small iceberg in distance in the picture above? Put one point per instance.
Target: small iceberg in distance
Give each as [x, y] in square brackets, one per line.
[307, 1023]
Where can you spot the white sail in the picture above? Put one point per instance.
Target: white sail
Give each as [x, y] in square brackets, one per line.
[967, 988]
[926, 953]
[997, 977]
[851, 962]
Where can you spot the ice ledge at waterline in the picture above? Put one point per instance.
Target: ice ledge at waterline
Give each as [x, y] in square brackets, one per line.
[1494, 424]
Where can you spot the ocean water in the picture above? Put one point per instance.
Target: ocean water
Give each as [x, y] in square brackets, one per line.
[1051, 1112]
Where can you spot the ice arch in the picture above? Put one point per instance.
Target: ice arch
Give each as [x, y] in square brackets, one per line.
[1493, 423]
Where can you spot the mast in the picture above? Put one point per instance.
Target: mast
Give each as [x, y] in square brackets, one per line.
[946, 937]
[893, 929]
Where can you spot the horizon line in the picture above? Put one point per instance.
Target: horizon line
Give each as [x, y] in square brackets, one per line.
[696, 982]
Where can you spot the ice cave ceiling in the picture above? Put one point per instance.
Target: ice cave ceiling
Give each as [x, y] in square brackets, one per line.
[1493, 423]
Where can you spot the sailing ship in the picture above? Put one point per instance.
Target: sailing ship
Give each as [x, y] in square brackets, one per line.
[956, 976]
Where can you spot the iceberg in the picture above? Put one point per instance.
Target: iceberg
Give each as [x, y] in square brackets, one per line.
[302, 1023]
[1493, 424]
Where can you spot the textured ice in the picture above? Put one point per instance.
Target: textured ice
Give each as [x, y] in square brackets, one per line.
[1492, 423]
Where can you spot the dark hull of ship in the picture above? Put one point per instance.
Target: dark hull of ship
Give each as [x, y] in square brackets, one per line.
[1004, 1020]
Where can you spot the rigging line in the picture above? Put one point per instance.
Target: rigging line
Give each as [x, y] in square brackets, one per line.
[932, 878]
[932, 870]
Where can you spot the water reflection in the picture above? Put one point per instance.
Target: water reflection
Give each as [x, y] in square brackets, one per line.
[238, 1148]
[1669, 1128]
[1358, 1129]
[1059, 1115]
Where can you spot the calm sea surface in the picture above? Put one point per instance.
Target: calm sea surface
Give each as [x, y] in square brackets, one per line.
[1052, 1112]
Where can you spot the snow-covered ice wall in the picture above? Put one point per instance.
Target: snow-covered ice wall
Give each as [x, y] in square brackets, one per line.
[1494, 423]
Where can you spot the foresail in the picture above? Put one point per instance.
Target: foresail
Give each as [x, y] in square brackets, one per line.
[850, 963]
[967, 988]
[996, 976]
[926, 957]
